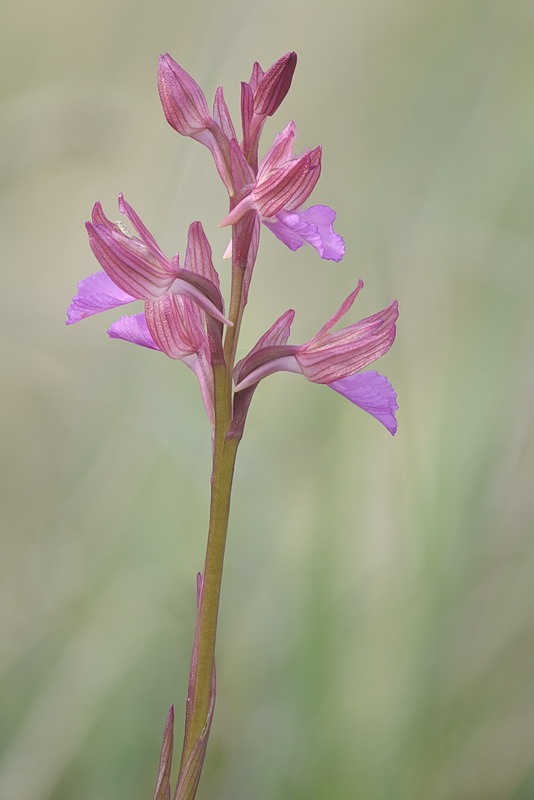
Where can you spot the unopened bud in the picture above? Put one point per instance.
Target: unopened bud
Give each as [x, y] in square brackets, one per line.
[183, 101]
[274, 85]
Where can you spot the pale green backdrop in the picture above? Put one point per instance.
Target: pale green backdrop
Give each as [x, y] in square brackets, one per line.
[376, 638]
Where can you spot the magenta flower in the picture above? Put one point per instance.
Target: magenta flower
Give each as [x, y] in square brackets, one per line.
[333, 358]
[176, 299]
[283, 183]
[136, 269]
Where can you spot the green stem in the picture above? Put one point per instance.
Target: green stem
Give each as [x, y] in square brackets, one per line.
[212, 576]
[224, 456]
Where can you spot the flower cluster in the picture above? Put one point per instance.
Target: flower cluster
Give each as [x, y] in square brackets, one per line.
[184, 314]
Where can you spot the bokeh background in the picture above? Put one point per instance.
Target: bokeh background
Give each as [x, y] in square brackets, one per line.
[376, 637]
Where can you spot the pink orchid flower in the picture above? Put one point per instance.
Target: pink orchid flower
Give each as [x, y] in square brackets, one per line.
[176, 299]
[283, 183]
[136, 269]
[334, 358]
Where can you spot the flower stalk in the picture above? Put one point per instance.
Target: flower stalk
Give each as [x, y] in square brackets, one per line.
[226, 444]
[184, 317]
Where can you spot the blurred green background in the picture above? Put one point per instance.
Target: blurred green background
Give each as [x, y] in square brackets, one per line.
[376, 639]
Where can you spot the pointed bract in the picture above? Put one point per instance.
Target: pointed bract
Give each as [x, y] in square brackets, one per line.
[163, 789]
[191, 768]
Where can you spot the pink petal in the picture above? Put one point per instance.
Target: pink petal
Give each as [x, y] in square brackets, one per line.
[312, 226]
[95, 294]
[237, 213]
[242, 175]
[126, 209]
[266, 362]
[373, 393]
[256, 76]
[302, 190]
[202, 291]
[198, 257]
[278, 333]
[222, 116]
[330, 356]
[133, 329]
[342, 310]
[138, 267]
[247, 116]
[280, 152]
[283, 182]
[174, 325]
[342, 353]
[289, 185]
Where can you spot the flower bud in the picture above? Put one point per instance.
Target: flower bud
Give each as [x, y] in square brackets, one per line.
[183, 101]
[274, 85]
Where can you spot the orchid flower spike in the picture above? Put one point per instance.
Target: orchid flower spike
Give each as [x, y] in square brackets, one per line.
[333, 358]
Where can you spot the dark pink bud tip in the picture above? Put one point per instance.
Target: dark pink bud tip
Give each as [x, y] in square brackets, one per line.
[274, 85]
